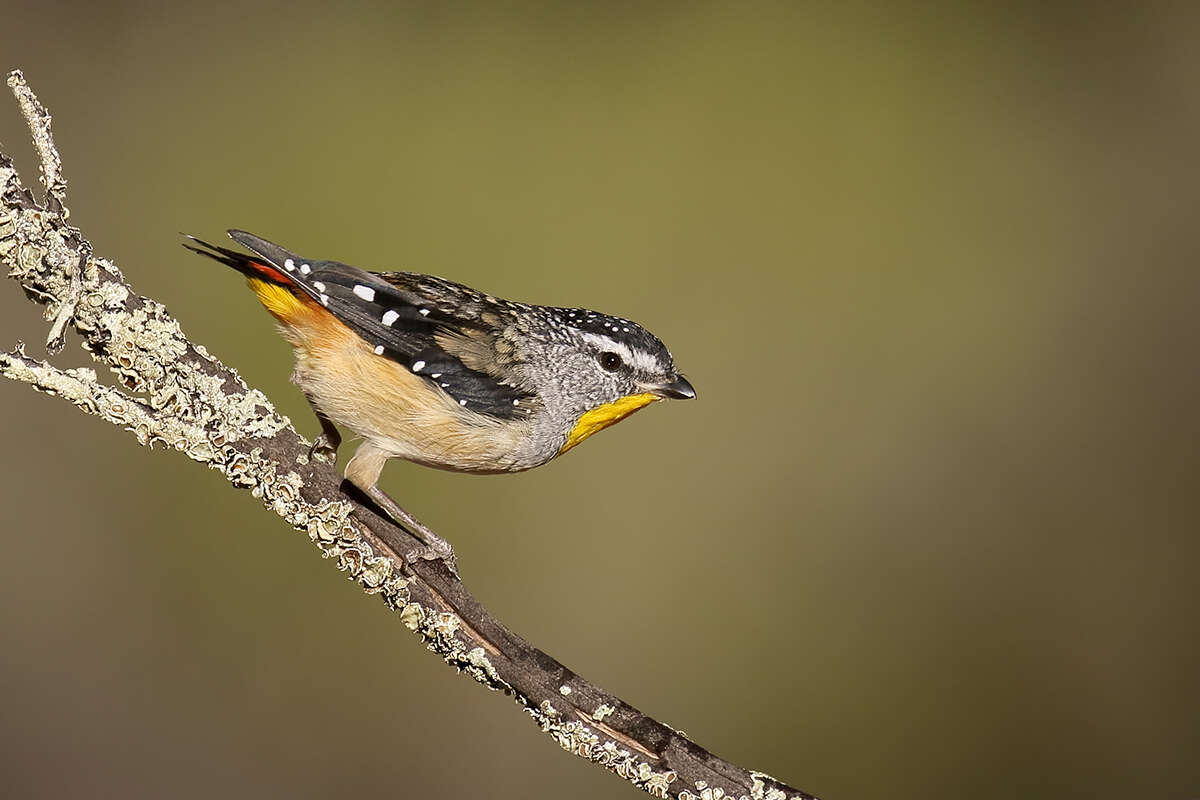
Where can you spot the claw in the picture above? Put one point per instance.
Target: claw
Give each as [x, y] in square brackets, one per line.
[439, 551]
[329, 440]
[436, 548]
[323, 447]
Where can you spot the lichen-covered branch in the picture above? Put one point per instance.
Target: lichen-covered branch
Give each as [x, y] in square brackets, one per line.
[170, 391]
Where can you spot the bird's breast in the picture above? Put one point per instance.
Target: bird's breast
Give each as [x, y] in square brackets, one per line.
[406, 414]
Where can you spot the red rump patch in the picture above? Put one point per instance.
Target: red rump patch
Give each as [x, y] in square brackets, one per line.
[269, 273]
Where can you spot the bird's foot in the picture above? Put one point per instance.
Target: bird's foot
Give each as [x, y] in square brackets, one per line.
[436, 548]
[327, 443]
[439, 550]
[326, 448]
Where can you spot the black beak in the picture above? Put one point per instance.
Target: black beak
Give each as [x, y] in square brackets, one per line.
[678, 389]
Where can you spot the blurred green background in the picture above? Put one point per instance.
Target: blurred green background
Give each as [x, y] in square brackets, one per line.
[930, 530]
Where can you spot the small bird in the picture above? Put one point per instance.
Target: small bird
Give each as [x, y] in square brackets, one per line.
[440, 374]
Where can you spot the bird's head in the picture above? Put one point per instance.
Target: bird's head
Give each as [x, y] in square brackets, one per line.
[595, 370]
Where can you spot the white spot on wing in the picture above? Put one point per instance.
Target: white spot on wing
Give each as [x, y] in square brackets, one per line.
[417, 367]
[305, 269]
[320, 287]
[379, 350]
[389, 317]
[365, 292]
[289, 265]
[462, 402]
[424, 312]
[324, 299]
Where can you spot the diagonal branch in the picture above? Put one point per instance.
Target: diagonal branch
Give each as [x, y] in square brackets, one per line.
[172, 392]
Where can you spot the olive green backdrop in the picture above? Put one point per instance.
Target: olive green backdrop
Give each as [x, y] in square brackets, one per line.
[930, 529]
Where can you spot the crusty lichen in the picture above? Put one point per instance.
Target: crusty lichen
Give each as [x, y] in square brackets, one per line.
[171, 392]
[603, 710]
[575, 737]
[39, 128]
[758, 791]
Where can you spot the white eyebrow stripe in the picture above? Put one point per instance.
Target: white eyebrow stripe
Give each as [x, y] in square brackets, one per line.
[645, 361]
[605, 343]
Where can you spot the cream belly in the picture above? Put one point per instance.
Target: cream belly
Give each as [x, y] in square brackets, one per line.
[403, 415]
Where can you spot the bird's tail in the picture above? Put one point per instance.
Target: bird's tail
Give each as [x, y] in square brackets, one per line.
[282, 295]
[244, 263]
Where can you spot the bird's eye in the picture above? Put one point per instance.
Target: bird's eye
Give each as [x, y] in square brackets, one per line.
[610, 361]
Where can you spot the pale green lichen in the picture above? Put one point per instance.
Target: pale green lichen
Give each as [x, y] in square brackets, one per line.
[478, 660]
[412, 615]
[444, 625]
[758, 791]
[440, 631]
[575, 737]
[7, 173]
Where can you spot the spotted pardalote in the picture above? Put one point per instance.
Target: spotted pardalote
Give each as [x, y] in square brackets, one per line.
[440, 374]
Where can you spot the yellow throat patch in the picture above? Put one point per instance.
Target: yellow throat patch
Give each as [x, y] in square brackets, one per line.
[601, 417]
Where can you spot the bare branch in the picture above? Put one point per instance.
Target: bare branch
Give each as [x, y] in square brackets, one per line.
[172, 392]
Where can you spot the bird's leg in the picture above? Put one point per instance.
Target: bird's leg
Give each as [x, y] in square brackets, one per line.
[330, 438]
[436, 548]
[363, 472]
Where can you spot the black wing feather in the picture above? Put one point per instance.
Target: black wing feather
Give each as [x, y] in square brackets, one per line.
[398, 323]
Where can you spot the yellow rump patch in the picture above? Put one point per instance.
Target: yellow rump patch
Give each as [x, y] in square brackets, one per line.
[279, 300]
[601, 417]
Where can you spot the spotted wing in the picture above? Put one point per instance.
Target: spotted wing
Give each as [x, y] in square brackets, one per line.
[402, 322]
